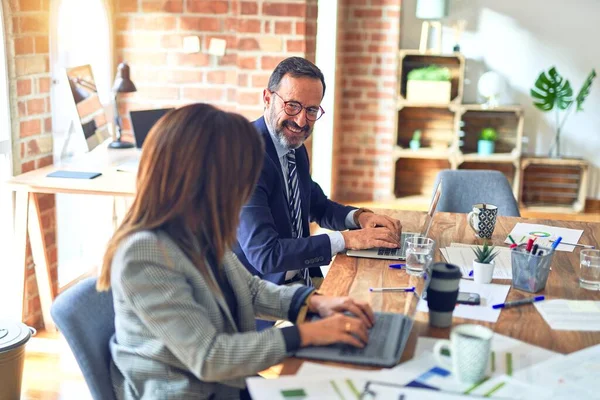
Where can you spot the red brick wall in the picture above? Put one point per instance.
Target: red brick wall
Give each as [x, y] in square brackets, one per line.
[259, 34]
[368, 40]
[26, 33]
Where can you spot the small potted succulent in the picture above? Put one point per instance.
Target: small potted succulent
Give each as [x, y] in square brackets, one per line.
[415, 143]
[487, 140]
[483, 264]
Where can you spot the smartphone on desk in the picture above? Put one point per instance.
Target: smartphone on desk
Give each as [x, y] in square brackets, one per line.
[472, 299]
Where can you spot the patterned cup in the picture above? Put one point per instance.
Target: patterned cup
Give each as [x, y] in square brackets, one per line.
[483, 219]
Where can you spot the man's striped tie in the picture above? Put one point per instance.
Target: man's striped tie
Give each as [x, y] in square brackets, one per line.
[294, 203]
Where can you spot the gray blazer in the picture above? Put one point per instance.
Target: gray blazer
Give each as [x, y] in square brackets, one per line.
[174, 338]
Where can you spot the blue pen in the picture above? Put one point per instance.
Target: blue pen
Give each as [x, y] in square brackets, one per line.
[393, 289]
[518, 302]
[471, 273]
[556, 243]
[397, 266]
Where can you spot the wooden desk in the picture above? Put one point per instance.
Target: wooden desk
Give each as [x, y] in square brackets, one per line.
[29, 185]
[350, 276]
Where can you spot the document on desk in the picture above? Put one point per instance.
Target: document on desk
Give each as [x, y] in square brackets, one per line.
[462, 256]
[570, 315]
[490, 294]
[545, 234]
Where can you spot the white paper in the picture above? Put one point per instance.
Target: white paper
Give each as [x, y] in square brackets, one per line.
[490, 294]
[462, 256]
[570, 315]
[545, 235]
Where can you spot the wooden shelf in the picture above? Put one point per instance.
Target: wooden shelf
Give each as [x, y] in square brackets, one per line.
[496, 157]
[425, 153]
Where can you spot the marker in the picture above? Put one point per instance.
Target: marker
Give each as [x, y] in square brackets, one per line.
[397, 266]
[556, 243]
[518, 302]
[529, 245]
[513, 246]
[586, 246]
[511, 239]
[393, 289]
[534, 250]
[471, 273]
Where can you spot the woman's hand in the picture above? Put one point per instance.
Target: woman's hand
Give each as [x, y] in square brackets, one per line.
[338, 328]
[328, 305]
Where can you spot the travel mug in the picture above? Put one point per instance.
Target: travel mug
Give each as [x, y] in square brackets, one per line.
[442, 292]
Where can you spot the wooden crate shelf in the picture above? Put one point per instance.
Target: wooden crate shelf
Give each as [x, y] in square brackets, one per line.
[416, 176]
[436, 126]
[508, 123]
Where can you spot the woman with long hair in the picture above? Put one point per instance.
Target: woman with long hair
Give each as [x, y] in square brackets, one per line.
[185, 307]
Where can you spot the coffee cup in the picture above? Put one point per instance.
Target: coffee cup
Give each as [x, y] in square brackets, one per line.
[469, 347]
[442, 291]
[483, 219]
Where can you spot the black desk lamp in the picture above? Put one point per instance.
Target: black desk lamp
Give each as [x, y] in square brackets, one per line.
[123, 84]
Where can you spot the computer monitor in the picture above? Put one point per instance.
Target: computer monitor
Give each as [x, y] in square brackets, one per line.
[143, 120]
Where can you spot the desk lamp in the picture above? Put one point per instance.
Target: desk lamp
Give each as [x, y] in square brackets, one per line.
[80, 89]
[431, 11]
[123, 84]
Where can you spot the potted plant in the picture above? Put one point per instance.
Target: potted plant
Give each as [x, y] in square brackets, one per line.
[487, 140]
[553, 92]
[430, 85]
[415, 143]
[483, 264]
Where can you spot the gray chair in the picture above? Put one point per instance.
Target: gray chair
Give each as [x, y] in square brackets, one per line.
[463, 188]
[86, 319]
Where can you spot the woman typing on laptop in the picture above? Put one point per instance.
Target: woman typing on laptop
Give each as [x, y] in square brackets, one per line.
[185, 307]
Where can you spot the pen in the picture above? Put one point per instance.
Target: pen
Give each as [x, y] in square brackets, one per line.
[397, 266]
[556, 243]
[471, 273]
[529, 244]
[393, 289]
[511, 239]
[518, 302]
[586, 246]
[534, 250]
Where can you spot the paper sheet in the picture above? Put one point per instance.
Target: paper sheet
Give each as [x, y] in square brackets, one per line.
[490, 294]
[462, 256]
[545, 234]
[570, 315]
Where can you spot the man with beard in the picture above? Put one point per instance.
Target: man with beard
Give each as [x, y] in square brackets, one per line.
[274, 240]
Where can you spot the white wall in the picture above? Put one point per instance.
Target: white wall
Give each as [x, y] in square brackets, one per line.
[518, 39]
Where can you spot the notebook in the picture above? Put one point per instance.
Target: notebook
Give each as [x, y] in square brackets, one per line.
[387, 339]
[400, 252]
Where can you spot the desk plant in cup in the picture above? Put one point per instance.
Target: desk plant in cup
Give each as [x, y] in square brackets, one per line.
[415, 143]
[487, 141]
[483, 264]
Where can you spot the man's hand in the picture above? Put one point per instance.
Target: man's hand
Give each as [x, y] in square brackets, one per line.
[367, 238]
[329, 305]
[372, 220]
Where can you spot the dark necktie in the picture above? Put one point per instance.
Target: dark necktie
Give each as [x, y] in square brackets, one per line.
[294, 204]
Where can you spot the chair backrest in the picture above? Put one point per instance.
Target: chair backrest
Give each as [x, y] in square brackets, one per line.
[463, 188]
[86, 318]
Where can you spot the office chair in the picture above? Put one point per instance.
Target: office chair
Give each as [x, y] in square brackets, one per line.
[86, 319]
[463, 188]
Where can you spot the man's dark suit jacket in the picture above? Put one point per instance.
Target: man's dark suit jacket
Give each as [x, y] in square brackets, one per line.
[265, 244]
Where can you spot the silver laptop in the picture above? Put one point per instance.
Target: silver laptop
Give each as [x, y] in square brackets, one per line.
[400, 252]
[387, 340]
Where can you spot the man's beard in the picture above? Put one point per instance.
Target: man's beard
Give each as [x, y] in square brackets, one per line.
[280, 134]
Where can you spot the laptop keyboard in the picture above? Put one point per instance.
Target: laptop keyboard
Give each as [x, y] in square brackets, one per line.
[383, 251]
[377, 339]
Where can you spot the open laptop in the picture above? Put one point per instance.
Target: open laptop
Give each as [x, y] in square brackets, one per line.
[400, 252]
[141, 123]
[387, 340]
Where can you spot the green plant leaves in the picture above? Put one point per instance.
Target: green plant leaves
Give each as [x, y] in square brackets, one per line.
[585, 90]
[552, 90]
[485, 254]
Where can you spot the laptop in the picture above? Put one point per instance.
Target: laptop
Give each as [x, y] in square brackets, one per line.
[141, 123]
[400, 252]
[387, 339]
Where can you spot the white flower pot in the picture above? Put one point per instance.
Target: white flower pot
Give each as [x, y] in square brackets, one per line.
[482, 273]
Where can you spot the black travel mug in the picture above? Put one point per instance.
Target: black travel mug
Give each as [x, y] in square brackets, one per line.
[442, 292]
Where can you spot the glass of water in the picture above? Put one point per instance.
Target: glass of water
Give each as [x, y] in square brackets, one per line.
[589, 275]
[419, 253]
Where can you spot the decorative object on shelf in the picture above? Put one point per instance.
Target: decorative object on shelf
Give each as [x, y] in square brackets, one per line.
[483, 264]
[122, 84]
[490, 86]
[487, 140]
[430, 84]
[459, 27]
[431, 11]
[552, 91]
[415, 143]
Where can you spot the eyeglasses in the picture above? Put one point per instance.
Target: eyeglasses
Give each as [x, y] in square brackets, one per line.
[293, 108]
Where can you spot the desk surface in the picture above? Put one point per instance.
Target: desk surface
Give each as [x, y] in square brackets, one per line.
[110, 183]
[350, 276]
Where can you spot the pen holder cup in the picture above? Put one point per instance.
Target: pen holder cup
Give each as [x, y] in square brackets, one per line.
[530, 272]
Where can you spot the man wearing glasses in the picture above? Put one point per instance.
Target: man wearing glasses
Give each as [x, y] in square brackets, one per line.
[274, 240]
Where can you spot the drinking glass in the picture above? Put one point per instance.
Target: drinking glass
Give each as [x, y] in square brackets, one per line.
[419, 253]
[589, 276]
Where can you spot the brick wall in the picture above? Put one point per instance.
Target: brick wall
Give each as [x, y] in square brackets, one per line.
[259, 34]
[26, 38]
[368, 40]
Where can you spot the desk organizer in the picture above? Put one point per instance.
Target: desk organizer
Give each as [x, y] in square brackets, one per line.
[530, 272]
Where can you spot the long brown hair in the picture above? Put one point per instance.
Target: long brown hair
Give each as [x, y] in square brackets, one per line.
[198, 167]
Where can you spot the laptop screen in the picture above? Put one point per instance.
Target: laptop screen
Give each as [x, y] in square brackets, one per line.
[432, 207]
[143, 120]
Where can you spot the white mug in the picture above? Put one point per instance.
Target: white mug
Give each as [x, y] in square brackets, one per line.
[469, 347]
